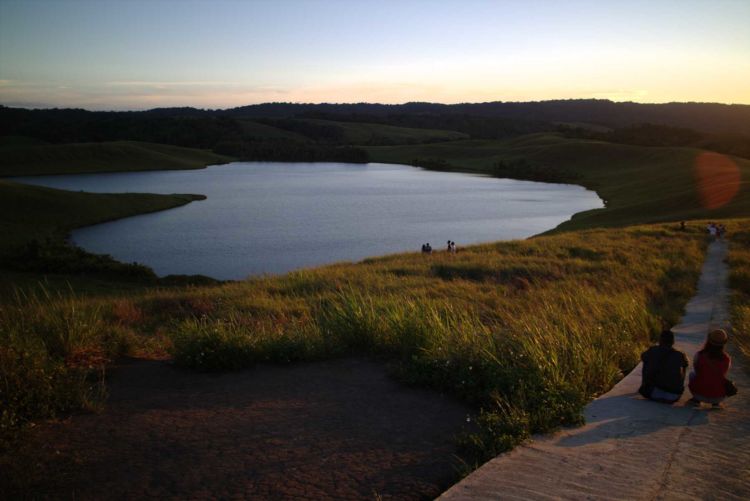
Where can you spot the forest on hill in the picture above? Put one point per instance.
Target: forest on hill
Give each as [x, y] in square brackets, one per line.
[335, 132]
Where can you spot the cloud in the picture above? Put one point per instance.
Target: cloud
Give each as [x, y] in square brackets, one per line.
[136, 94]
[161, 84]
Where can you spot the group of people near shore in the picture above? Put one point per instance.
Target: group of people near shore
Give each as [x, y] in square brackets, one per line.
[450, 248]
[716, 230]
[664, 368]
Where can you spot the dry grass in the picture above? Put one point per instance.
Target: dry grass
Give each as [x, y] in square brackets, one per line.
[739, 280]
[527, 331]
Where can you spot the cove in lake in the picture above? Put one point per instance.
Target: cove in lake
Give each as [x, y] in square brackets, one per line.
[275, 217]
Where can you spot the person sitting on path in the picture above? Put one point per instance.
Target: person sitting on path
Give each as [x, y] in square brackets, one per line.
[710, 368]
[663, 376]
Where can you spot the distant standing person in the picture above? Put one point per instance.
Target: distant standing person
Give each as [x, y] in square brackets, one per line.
[663, 376]
[710, 368]
[452, 247]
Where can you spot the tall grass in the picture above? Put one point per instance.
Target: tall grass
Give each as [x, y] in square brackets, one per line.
[739, 281]
[53, 351]
[525, 331]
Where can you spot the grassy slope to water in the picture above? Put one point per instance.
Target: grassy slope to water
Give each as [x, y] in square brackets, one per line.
[36, 213]
[18, 159]
[639, 184]
[526, 330]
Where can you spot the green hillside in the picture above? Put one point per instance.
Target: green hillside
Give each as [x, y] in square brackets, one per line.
[19, 159]
[351, 133]
[33, 212]
[639, 184]
[380, 134]
[258, 130]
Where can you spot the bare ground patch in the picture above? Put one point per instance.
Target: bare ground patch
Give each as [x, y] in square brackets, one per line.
[336, 429]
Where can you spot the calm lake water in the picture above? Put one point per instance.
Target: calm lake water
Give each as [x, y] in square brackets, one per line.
[274, 217]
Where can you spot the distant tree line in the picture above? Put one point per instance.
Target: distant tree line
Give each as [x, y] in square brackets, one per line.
[705, 117]
[78, 126]
[221, 134]
[701, 125]
[285, 150]
[433, 164]
[515, 169]
[523, 169]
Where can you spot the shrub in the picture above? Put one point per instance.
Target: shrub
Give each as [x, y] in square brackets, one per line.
[53, 351]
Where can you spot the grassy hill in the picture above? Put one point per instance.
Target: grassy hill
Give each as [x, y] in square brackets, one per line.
[358, 133]
[37, 213]
[259, 130]
[346, 132]
[27, 158]
[639, 184]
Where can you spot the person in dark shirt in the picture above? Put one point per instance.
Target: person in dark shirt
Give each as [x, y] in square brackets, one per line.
[663, 376]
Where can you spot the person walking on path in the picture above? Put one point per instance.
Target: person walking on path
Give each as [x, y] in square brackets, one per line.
[710, 368]
[663, 376]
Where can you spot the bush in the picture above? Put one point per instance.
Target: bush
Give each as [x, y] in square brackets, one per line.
[53, 354]
[205, 345]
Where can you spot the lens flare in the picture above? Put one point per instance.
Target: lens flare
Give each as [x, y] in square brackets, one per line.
[718, 179]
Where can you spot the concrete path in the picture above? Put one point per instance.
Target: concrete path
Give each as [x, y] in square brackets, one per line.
[631, 448]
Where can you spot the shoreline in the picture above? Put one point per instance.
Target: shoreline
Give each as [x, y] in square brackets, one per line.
[198, 197]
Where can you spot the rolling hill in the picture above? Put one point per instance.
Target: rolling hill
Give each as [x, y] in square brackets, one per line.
[23, 159]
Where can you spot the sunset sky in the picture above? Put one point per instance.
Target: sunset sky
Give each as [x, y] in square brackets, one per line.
[134, 55]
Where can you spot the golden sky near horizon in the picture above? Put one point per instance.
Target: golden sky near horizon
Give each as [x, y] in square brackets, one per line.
[136, 55]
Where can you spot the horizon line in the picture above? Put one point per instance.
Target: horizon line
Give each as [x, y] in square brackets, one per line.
[46, 107]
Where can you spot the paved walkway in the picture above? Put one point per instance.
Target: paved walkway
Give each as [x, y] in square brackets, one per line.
[631, 448]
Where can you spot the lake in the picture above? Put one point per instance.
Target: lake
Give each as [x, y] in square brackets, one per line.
[263, 217]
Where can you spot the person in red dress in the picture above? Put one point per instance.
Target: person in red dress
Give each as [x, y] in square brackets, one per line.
[710, 368]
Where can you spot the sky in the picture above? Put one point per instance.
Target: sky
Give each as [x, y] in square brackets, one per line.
[132, 54]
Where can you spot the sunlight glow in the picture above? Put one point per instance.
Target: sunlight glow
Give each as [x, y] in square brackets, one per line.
[718, 179]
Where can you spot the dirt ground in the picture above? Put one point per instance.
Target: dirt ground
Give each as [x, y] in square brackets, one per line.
[338, 429]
